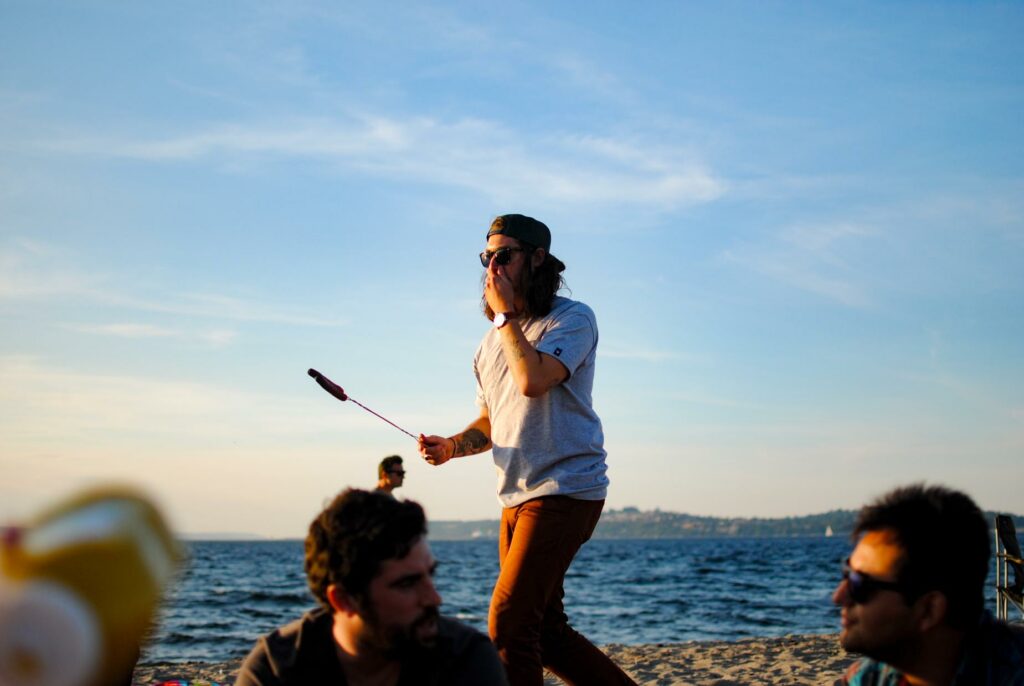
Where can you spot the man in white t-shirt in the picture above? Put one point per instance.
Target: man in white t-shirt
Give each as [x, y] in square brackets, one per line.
[535, 375]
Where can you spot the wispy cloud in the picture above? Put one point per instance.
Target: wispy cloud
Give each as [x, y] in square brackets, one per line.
[30, 270]
[812, 258]
[708, 400]
[589, 76]
[40, 403]
[557, 167]
[215, 337]
[221, 307]
[974, 392]
[820, 239]
[125, 330]
[621, 352]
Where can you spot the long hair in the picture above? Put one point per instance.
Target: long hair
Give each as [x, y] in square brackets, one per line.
[538, 286]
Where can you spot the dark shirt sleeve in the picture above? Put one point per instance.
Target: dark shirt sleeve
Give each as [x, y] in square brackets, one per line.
[256, 669]
[479, 664]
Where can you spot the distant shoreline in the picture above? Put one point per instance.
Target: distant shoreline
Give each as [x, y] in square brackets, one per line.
[632, 524]
[469, 539]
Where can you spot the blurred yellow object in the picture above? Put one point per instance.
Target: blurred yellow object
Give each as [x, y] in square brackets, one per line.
[78, 589]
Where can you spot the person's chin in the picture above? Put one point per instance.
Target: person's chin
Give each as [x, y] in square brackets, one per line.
[426, 632]
[845, 624]
[849, 641]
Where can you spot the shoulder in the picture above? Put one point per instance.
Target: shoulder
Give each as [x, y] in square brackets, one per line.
[471, 657]
[302, 631]
[998, 651]
[459, 636]
[283, 653]
[569, 317]
[564, 307]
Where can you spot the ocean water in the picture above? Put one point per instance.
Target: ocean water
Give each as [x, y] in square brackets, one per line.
[617, 591]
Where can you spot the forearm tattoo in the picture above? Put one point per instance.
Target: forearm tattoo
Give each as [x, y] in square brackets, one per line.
[471, 442]
[515, 351]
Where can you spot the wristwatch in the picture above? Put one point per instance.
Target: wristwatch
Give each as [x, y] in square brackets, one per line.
[502, 318]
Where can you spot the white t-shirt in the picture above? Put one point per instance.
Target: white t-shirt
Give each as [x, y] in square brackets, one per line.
[554, 444]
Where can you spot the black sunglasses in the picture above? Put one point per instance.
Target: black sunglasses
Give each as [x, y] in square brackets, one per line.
[399, 472]
[502, 256]
[862, 587]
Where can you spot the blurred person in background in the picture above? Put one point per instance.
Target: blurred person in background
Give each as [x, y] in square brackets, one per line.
[390, 474]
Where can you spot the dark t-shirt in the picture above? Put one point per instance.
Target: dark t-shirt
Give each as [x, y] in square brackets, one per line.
[304, 653]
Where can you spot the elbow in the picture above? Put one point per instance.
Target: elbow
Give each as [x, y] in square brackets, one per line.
[532, 389]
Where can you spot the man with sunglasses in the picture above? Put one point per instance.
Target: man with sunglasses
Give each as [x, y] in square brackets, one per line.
[912, 596]
[535, 373]
[390, 474]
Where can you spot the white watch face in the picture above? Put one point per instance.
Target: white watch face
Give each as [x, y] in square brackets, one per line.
[499, 320]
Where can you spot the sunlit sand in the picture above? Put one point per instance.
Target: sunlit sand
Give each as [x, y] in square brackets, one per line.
[789, 660]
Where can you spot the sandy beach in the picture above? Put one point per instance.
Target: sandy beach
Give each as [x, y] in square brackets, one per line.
[789, 660]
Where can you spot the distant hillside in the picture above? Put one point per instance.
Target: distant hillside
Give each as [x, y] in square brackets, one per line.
[441, 530]
[631, 522]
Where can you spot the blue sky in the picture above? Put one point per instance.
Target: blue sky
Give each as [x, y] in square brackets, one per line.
[801, 226]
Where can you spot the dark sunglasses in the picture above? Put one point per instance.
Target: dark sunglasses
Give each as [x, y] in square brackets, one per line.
[502, 256]
[862, 588]
[399, 472]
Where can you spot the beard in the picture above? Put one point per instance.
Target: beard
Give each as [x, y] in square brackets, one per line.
[894, 649]
[398, 642]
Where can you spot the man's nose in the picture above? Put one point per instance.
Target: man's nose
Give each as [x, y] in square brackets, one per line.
[841, 596]
[430, 596]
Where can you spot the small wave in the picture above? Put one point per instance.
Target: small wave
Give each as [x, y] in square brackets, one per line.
[176, 638]
[468, 617]
[280, 596]
[208, 625]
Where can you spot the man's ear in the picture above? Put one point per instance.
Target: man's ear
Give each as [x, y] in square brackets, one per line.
[341, 601]
[537, 258]
[931, 609]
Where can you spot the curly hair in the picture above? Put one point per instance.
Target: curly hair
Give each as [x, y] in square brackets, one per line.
[945, 544]
[349, 540]
[538, 286]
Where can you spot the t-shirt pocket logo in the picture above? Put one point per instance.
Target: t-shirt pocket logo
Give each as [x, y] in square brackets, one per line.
[558, 352]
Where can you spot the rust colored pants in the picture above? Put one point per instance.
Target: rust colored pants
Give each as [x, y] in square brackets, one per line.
[527, 621]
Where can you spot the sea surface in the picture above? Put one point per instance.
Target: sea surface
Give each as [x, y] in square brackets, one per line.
[617, 591]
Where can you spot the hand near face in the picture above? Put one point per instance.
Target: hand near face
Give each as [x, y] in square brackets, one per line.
[498, 288]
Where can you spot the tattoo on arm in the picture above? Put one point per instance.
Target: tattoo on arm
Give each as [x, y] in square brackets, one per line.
[516, 351]
[471, 442]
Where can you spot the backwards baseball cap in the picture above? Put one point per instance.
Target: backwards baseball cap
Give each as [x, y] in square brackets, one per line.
[522, 228]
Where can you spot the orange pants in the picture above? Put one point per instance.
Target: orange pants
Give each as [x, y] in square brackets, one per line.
[527, 621]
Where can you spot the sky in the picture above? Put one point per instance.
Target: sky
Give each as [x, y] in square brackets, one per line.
[800, 226]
